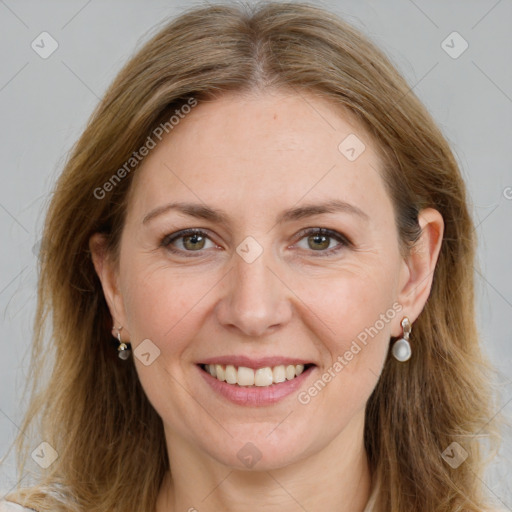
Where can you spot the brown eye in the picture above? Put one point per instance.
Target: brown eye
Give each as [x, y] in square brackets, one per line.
[320, 240]
[191, 240]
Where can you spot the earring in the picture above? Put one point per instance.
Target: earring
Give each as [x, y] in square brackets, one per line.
[401, 349]
[123, 349]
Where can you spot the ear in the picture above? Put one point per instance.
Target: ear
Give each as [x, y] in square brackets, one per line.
[108, 274]
[419, 265]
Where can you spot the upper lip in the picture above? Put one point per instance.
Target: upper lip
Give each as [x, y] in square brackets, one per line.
[254, 363]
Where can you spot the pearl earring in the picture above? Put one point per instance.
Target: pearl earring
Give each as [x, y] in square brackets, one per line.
[123, 349]
[401, 349]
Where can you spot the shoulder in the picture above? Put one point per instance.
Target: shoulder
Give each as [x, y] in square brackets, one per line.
[10, 506]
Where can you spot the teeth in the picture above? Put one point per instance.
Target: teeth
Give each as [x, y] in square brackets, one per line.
[290, 372]
[279, 374]
[245, 376]
[262, 377]
[218, 371]
[231, 374]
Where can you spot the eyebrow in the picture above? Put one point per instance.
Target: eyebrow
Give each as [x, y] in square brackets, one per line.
[202, 211]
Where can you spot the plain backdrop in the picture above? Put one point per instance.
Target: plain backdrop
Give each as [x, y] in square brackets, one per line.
[44, 105]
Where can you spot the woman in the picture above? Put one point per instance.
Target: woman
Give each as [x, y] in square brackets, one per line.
[259, 270]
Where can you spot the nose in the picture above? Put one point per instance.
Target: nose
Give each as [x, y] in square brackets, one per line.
[255, 299]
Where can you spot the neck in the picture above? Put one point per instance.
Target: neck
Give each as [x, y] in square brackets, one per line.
[337, 477]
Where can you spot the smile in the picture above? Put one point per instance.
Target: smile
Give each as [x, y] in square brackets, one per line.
[254, 382]
[259, 377]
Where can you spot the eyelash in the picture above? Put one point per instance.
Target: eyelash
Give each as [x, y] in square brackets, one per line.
[344, 241]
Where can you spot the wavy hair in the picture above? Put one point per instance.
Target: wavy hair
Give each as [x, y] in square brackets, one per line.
[91, 407]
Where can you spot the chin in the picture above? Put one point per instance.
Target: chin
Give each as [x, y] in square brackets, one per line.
[254, 450]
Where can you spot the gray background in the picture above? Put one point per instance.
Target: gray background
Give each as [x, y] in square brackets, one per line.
[44, 104]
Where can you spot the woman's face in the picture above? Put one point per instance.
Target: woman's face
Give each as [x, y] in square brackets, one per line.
[257, 288]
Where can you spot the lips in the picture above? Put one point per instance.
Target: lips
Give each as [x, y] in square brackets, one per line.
[265, 394]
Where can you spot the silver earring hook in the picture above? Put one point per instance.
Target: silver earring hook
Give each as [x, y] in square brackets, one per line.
[406, 326]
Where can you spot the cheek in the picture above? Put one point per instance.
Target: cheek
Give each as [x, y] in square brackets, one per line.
[362, 311]
[160, 303]
[356, 304]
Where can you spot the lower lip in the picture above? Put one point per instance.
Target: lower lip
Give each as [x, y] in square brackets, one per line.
[255, 396]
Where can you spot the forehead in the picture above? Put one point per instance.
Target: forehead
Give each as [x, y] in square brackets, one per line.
[260, 147]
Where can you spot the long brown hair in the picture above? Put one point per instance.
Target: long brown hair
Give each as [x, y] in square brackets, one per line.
[93, 410]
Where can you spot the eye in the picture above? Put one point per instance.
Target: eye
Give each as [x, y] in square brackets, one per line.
[191, 240]
[319, 240]
[195, 240]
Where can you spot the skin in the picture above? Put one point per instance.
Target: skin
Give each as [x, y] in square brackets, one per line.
[253, 156]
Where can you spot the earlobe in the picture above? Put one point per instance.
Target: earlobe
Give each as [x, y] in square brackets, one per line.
[421, 263]
[108, 277]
